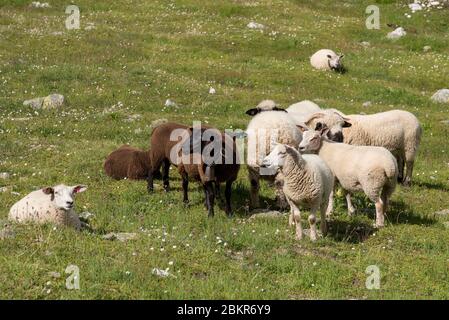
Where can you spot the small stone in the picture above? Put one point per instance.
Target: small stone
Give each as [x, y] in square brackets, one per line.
[367, 104]
[441, 96]
[365, 44]
[445, 122]
[427, 48]
[53, 101]
[443, 212]
[255, 25]
[37, 4]
[4, 175]
[170, 103]
[133, 117]
[396, 34]
[86, 215]
[34, 103]
[7, 233]
[212, 91]
[120, 236]
[265, 213]
[4, 189]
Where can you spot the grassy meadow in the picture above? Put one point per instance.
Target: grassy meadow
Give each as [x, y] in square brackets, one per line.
[117, 71]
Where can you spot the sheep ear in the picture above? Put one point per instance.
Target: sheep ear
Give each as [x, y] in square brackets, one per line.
[341, 56]
[79, 188]
[319, 126]
[347, 124]
[302, 127]
[253, 111]
[329, 56]
[279, 109]
[48, 190]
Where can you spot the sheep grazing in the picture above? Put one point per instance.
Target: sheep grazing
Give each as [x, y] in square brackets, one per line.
[49, 205]
[213, 167]
[265, 105]
[264, 129]
[326, 59]
[372, 170]
[128, 162]
[300, 111]
[308, 181]
[398, 131]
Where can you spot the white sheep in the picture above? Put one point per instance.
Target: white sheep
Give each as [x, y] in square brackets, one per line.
[398, 131]
[308, 181]
[264, 105]
[48, 205]
[300, 111]
[326, 59]
[264, 129]
[372, 170]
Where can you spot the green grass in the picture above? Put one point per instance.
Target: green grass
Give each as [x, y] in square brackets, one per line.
[144, 52]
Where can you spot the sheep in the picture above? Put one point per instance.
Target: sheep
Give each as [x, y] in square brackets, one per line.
[212, 168]
[264, 105]
[167, 148]
[326, 59]
[308, 181]
[396, 130]
[51, 204]
[372, 170]
[128, 162]
[300, 111]
[262, 130]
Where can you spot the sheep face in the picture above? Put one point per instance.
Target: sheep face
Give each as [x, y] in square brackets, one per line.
[311, 139]
[334, 62]
[276, 158]
[333, 120]
[63, 196]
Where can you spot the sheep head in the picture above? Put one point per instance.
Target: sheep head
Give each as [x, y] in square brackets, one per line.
[63, 196]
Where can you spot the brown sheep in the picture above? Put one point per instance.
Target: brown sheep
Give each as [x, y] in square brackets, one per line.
[209, 174]
[128, 162]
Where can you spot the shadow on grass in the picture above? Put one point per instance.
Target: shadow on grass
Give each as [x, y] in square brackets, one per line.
[429, 185]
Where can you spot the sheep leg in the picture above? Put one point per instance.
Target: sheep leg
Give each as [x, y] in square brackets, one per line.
[291, 221]
[185, 188]
[296, 219]
[323, 223]
[351, 208]
[408, 176]
[330, 204]
[165, 175]
[217, 191]
[254, 192]
[312, 223]
[150, 185]
[228, 192]
[380, 222]
[280, 196]
[400, 160]
[209, 191]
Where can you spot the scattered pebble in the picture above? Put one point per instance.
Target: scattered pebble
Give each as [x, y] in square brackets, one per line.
[367, 104]
[255, 25]
[212, 90]
[37, 4]
[4, 175]
[441, 96]
[427, 48]
[162, 273]
[170, 103]
[397, 33]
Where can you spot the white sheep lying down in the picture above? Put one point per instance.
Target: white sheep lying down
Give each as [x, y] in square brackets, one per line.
[326, 59]
[398, 131]
[308, 182]
[264, 129]
[372, 170]
[48, 205]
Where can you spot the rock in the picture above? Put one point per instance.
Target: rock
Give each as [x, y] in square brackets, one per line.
[37, 4]
[265, 213]
[4, 175]
[34, 103]
[7, 233]
[443, 212]
[367, 104]
[365, 44]
[86, 215]
[212, 91]
[120, 236]
[427, 48]
[162, 273]
[396, 34]
[54, 274]
[255, 25]
[170, 103]
[445, 122]
[53, 101]
[441, 96]
[415, 7]
[4, 189]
